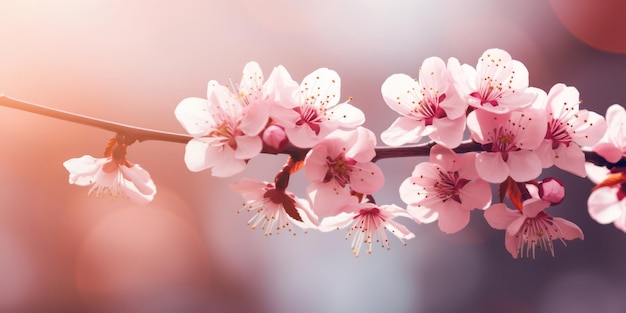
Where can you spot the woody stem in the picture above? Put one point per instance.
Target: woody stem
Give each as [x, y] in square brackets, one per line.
[133, 133]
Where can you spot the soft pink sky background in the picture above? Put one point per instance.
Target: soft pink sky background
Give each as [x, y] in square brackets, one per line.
[188, 251]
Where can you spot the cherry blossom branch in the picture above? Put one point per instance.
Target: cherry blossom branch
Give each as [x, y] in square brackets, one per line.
[133, 133]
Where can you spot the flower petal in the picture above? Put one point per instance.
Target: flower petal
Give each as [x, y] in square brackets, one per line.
[491, 167]
[193, 115]
[523, 165]
[499, 216]
[403, 130]
[604, 206]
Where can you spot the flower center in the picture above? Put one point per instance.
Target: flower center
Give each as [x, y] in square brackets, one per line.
[557, 132]
[503, 141]
[339, 169]
[310, 117]
[449, 185]
[429, 109]
[227, 132]
[536, 233]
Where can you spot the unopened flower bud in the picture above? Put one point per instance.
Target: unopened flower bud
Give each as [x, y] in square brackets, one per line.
[552, 190]
[275, 139]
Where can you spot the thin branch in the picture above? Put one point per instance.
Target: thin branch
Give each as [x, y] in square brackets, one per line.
[142, 134]
[136, 133]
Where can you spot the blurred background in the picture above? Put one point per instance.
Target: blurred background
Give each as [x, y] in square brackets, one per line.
[188, 251]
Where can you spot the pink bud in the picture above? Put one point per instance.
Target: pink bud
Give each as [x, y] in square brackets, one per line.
[274, 139]
[552, 190]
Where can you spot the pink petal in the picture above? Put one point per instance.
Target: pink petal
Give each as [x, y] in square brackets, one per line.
[228, 165]
[366, 178]
[401, 92]
[604, 206]
[193, 115]
[140, 179]
[534, 123]
[596, 174]
[254, 118]
[545, 153]
[222, 98]
[422, 214]
[251, 84]
[399, 230]
[347, 115]
[515, 226]
[534, 206]
[571, 159]
[491, 167]
[250, 189]
[620, 222]
[453, 218]
[284, 117]
[304, 137]
[328, 198]
[315, 163]
[363, 147]
[448, 132]
[608, 151]
[83, 170]
[523, 165]
[403, 130]
[339, 221]
[320, 89]
[498, 216]
[200, 155]
[568, 230]
[475, 195]
[591, 128]
[434, 76]
[444, 157]
[280, 88]
[466, 165]
[248, 147]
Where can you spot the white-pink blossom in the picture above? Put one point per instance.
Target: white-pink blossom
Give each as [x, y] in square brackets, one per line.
[612, 146]
[568, 129]
[226, 125]
[498, 84]
[429, 106]
[314, 110]
[274, 209]
[607, 202]
[367, 223]
[508, 140]
[342, 160]
[112, 177]
[530, 228]
[445, 189]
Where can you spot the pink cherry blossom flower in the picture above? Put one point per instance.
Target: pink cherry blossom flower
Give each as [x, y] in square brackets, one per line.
[508, 140]
[499, 84]
[530, 228]
[568, 129]
[225, 126]
[445, 189]
[112, 176]
[607, 202]
[367, 224]
[612, 146]
[314, 110]
[342, 159]
[274, 209]
[429, 107]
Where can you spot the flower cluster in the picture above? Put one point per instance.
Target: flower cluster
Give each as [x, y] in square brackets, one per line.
[482, 125]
